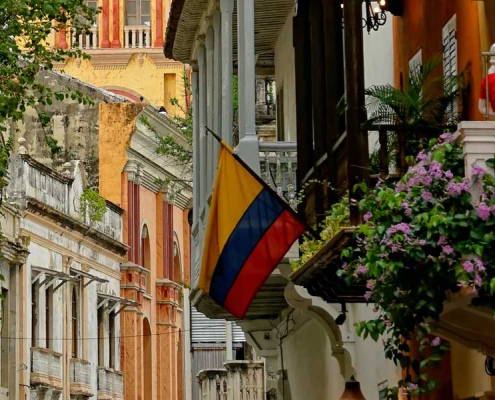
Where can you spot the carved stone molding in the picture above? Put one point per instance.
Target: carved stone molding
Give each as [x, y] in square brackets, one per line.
[322, 312]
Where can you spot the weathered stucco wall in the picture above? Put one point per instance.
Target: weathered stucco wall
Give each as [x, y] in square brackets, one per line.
[73, 125]
[117, 123]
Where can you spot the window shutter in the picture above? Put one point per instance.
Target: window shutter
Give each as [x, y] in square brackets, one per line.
[449, 39]
[416, 62]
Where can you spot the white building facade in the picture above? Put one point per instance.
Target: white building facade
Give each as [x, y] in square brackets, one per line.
[65, 342]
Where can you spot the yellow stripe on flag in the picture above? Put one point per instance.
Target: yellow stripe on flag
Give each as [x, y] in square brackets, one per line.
[235, 189]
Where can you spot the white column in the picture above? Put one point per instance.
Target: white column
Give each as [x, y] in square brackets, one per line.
[202, 122]
[226, 9]
[196, 139]
[228, 341]
[188, 381]
[217, 84]
[479, 143]
[248, 144]
[209, 110]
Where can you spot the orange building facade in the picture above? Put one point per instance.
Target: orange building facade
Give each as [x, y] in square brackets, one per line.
[156, 271]
[456, 32]
[462, 28]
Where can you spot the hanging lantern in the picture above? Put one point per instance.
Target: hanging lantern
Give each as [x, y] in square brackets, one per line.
[352, 390]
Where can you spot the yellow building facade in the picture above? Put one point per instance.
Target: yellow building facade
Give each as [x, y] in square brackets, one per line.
[126, 50]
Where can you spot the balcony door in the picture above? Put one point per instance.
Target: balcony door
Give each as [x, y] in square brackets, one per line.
[138, 12]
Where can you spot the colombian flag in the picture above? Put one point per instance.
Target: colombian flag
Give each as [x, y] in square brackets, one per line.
[250, 229]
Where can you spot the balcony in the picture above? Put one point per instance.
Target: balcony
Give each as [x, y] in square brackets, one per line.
[80, 378]
[239, 380]
[278, 163]
[110, 384]
[86, 41]
[46, 368]
[137, 37]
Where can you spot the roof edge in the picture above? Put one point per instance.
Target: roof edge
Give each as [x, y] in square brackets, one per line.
[173, 22]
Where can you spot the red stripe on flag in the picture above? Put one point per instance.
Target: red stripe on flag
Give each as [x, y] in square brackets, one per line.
[265, 257]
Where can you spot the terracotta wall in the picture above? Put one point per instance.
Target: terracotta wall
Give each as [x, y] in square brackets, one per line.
[420, 27]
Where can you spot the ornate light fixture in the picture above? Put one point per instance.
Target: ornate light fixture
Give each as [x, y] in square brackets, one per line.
[375, 14]
[352, 390]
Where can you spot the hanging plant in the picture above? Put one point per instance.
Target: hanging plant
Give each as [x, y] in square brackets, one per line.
[424, 236]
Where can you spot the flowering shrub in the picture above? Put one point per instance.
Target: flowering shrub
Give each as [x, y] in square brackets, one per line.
[430, 233]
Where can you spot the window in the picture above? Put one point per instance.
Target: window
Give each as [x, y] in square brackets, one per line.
[48, 317]
[34, 313]
[138, 12]
[4, 344]
[92, 3]
[382, 390]
[145, 257]
[75, 323]
[111, 338]
[101, 342]
[416, 63]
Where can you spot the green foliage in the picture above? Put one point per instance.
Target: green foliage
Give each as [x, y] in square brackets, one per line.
[430, 233]
[93, 205]
[335, 219]
[424, 102]
[26, 26]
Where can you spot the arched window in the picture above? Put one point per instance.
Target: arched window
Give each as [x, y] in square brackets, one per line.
[177, 262]
[75, 323]
[145, 257]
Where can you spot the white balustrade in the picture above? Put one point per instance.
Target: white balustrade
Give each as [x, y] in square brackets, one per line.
[278, 163]
[110, 383]
[239, 380]
[85, 41]
[46, 367]
[137, 37]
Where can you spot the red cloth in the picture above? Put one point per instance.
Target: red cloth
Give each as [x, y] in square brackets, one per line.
[491, 90]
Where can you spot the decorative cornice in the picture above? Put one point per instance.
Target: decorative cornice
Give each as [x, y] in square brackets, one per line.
[110, 59]
[65, 220]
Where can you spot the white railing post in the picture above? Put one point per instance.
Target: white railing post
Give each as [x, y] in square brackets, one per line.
[148, 37]
[140, 37]
[94, 32]
[126, 37]
[248, 143]
[135, 38]
[226, 9]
